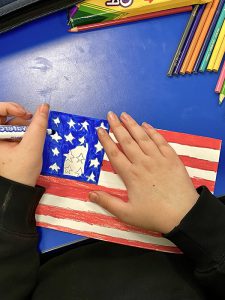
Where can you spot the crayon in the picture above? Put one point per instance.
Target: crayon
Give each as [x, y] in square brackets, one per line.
[194, 39]
[219, 57]
[182, 41]
[221, 80]
[211, 38]
[202, 36]
[216, 48]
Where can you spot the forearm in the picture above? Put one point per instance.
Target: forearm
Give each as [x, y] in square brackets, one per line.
[19, 258]
[201, 236]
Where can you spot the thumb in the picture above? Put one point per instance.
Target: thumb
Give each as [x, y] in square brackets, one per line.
[34, 137]
[112, 204]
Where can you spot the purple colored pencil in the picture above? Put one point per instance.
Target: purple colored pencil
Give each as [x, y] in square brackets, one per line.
[72, 11]
[189, 39]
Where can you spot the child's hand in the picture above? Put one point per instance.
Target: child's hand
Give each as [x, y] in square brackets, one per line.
[22, 162]
[159, 189]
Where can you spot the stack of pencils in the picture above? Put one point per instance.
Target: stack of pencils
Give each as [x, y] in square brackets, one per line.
[202, 45]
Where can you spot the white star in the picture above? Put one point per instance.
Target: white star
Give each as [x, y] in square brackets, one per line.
[56, 121]
[91, 177]
[102, 126]
[82, 140]
[69, 138]
[69, 157]
[71, 123]
[98, 147]
[55, 151]
[54, 167]
[85, 125]
[94, 162]
[56, 137]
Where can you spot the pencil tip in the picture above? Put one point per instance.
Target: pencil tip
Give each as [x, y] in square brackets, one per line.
[221, 98]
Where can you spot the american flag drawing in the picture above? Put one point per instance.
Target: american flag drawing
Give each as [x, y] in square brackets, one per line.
[65, 205]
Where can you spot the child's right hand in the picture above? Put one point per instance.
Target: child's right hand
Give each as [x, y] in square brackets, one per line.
[160, 191]
[22, 161]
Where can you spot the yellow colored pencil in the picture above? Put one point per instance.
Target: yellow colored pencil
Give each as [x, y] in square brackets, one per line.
[217, 48]
[219, 57]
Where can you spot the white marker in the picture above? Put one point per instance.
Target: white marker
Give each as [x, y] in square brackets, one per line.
[13, 132]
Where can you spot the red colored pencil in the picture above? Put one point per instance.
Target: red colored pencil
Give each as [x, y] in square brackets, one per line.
[131, 19]
[221, 80]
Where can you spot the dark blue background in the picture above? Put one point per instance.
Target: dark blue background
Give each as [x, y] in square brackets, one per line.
[121, 69]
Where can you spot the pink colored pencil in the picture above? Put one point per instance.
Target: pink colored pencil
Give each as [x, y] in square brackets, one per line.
[221, 80]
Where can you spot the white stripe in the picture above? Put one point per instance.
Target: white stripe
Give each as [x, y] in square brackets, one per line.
[202, 174]
[73, 204]
[191, 151]
[111, 180]
[111, 232]
[196, 152]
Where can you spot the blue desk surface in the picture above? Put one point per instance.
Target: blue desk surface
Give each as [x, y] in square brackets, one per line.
[121, 69]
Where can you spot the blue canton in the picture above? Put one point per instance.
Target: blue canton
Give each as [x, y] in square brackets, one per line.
[73, 151]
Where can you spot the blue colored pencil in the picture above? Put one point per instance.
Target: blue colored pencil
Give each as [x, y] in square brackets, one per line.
[189, 39]
[208, 36]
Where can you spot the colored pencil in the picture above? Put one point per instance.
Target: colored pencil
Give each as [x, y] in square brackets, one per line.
[189, 40]
[182, 41]
[130, 19]
[221, 80]
[216, 48]
[222, 94]
[200, 24]
[211, 38]
[219, 57]
[202, 36]
[208, 37]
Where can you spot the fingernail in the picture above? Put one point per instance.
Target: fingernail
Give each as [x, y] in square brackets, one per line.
[101, 131]
[112, 116]
[125, 116]
[146, 125]
[93, 197]
[44, 108]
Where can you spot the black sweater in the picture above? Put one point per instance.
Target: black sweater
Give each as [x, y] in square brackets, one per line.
[100, 270]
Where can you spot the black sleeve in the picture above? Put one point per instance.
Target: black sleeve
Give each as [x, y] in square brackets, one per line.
[19, 258]
[201, 236]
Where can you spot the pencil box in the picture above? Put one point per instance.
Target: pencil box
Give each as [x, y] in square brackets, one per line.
[17, 12]
[94, 11]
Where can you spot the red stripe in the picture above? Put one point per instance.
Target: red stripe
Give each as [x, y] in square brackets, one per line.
[190, 140]
[90, 218]
[75, 189]
[198, 182]
[187, 161]
[107, 238]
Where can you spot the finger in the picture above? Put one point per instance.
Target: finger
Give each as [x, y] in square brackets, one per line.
[18, 121]
[112, 204]
[34, 137]
[140, 135]
[158, 139]
[8, 109]
[118, 160]
[127, 143]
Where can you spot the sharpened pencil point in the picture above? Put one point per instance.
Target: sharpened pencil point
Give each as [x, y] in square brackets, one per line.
[221, 98]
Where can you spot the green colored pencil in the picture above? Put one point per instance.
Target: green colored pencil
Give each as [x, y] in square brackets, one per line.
[212, 42]
[182, 41]
[222, 94]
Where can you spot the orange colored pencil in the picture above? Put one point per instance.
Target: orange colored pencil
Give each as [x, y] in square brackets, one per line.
[202, 36]
[196, 37]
